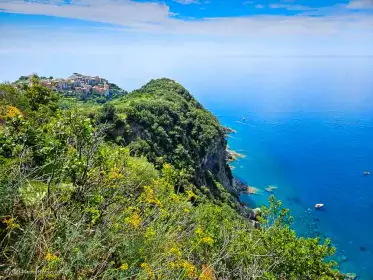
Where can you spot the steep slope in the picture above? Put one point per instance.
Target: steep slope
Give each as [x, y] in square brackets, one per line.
[164, 122]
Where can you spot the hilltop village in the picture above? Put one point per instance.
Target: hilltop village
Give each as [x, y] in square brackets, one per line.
[77, 85]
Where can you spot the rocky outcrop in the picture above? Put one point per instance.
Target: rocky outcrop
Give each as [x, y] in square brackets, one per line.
[350, 276]
[239, 186]
[228, 130]
[233, 155]
[215, 162]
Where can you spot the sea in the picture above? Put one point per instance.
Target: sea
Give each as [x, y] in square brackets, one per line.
[305, 127]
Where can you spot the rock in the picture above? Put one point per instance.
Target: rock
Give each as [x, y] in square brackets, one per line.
[252, 190]
[227, 130]
[255, 224]
[233, 155]
[258, 212]
[252, 214]
[270, 189]
[239, 186]
[350, 276]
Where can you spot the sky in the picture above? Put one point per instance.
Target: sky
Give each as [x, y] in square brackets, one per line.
[144, 39]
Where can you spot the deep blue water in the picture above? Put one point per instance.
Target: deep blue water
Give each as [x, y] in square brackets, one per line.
[309, 131]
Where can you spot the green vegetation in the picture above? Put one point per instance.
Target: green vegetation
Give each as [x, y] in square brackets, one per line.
[118, 192]
[163, 122]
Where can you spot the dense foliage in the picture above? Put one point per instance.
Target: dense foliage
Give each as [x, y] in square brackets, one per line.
[76, 205]
[163, 122]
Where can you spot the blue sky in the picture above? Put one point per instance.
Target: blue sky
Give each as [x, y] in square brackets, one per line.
[155, 38]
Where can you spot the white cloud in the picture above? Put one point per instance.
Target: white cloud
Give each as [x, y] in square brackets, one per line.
[361, 4]
[186, 2]
[157, 18]
[126, 12]
[291, 7]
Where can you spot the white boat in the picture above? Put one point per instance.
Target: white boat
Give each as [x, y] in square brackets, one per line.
[319, 205]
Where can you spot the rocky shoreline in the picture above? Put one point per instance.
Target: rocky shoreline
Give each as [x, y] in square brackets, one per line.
[228, 130]
[240, 187]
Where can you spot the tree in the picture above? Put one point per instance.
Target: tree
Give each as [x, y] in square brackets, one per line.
[107, 113]
[39, 96]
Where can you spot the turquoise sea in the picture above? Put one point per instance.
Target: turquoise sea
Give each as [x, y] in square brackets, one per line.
[308, 130]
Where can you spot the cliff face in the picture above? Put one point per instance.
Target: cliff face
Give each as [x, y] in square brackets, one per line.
[215, 161]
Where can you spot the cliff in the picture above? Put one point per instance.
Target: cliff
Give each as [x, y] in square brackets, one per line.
[165, 123]
[215, 161]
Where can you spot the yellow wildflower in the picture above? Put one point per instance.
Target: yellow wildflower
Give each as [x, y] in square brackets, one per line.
[124, 267]
[115, 173]
[144, 265]
[172, 265]
[208, 240]
[175, 250]
[134, 220]
[10, 112]
[191, 195]
[11, 224]
[190, 269]
[51, 257]
[149, 196]
[174, 197]
[148, 270]
[199, 230]
[164, 213]
[186, 210]
[149, 233]
[207, 273]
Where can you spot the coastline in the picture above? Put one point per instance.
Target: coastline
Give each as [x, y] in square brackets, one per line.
[264, 168]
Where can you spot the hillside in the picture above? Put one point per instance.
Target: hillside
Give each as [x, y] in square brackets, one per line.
[138, 188]
[163, 122]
